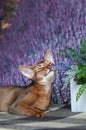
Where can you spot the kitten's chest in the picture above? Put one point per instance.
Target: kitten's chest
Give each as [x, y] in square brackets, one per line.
[43, 101]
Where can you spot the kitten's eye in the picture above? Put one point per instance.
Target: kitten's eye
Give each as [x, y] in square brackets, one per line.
[40, 65]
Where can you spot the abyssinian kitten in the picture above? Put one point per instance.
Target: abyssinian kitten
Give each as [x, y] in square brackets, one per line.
[34, 99]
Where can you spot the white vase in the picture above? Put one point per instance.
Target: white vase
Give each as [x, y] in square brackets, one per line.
[80, 105]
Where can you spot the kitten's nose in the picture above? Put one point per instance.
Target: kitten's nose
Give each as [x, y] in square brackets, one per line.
[53, 70]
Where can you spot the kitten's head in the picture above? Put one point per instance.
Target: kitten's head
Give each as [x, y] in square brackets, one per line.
[40, 73]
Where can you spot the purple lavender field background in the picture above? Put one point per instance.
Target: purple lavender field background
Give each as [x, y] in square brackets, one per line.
[37, 26]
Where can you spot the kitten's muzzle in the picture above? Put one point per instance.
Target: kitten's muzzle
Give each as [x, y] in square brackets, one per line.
[51, 71]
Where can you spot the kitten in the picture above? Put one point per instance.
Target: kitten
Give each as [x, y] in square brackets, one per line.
[34, 99]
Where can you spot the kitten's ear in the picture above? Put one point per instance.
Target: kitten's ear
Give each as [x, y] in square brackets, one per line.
[26, 71]
[49, 56]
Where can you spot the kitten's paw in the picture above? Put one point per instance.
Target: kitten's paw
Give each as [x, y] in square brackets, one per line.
[42, 114]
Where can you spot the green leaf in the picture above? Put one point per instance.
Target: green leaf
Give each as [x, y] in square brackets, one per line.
[74, 54]
[80, 92]
[81, 75]
[72, 72]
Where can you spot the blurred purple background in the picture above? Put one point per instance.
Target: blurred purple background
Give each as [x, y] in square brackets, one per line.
[37, 26]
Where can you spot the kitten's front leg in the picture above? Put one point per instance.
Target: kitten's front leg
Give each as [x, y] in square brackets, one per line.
[24, 109]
